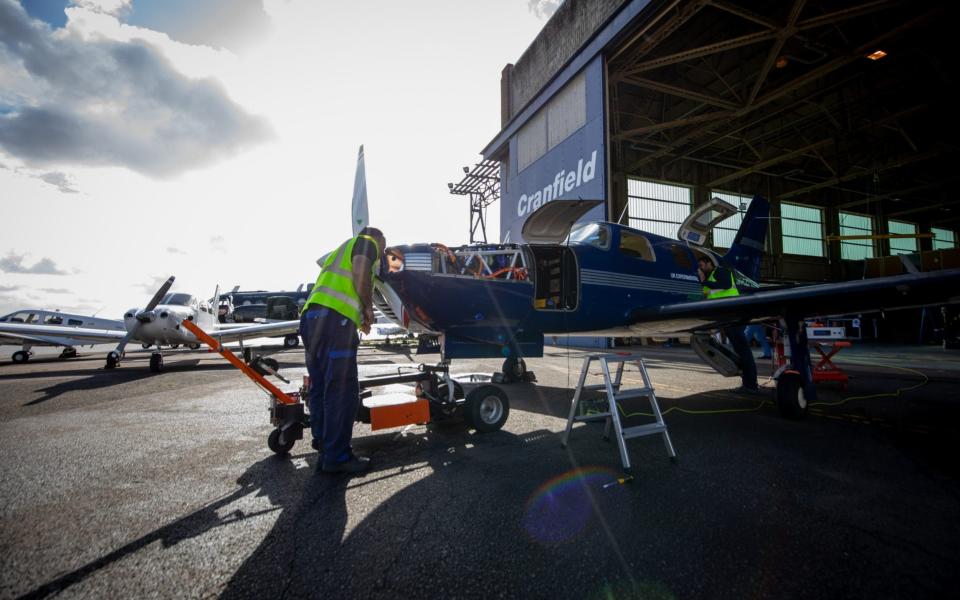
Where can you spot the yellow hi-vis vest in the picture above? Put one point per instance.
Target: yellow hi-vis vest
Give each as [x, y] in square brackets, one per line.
[334, 287]
[711, 293]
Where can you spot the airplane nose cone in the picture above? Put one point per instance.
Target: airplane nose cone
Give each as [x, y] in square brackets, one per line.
[146, 316]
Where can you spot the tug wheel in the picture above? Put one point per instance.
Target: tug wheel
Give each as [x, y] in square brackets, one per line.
[278, 443]
[487, 408]
[790, 397]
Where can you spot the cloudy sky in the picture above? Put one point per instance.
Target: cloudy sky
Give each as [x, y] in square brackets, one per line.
[217, 140]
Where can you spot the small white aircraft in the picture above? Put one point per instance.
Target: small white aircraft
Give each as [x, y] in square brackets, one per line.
[45, 319]
[158, 324]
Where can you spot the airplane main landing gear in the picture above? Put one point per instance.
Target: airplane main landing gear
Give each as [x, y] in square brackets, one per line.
[68, 352]
[791, 400]
[291, 341]
[21, 356]
[156, 362]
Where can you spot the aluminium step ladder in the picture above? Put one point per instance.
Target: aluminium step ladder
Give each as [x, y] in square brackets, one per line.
[611, 384]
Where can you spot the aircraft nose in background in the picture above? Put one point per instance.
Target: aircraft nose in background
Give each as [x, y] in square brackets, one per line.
[146, 316]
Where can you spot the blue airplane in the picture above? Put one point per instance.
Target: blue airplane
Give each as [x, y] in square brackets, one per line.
[606, 279]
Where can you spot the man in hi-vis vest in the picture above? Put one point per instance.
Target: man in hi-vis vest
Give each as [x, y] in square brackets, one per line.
[340, 303]
[718, 282]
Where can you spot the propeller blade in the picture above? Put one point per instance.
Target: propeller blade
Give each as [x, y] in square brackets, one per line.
[123, 343]
[160, 294]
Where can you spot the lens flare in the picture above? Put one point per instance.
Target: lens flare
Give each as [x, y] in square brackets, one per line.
[562, 507]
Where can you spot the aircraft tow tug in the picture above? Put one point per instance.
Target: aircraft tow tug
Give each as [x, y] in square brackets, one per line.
[438, 397]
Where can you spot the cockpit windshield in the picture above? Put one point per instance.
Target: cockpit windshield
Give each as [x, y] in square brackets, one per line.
[178, 299]
[595, 234]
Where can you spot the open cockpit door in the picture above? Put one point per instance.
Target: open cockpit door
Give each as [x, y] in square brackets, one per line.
[701, 221]
[551, 223]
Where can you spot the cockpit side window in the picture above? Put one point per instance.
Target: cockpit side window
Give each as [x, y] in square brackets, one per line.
[595, 234]
[634, 245]
[53, 320]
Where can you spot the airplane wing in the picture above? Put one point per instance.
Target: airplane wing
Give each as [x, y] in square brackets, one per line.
[866, 295]
[60, 335]
[233, 334]
[8, 337]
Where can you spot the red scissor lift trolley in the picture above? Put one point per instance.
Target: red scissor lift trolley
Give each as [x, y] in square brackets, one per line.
[828, 342]
[438, 396]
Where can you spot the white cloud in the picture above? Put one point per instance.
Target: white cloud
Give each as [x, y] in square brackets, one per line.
[59, 180]
[544, 8]
[94, 101]
[13, 263]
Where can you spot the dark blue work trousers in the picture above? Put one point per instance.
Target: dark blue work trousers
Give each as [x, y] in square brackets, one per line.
[330, 341]
[748, 367]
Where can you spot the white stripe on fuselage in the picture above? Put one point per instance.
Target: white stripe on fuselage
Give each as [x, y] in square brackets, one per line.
[639, 282]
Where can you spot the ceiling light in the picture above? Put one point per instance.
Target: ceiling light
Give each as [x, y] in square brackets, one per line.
[876, 55]
[781, 62]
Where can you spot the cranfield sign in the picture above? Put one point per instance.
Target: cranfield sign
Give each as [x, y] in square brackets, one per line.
[573, 168]
[564, 185]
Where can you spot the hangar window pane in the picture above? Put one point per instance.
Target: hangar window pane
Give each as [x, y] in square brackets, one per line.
[943, 238]
[567, 111]
[659, 208]
[564, 114]
[854, 224]
[902, 245]
[726, 230]
[802, 229]
[532, 141]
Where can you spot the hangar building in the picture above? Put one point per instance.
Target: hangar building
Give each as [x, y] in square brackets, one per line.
[836, 111]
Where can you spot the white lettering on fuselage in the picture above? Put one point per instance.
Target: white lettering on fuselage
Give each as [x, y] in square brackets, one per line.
[564, 182]
[683, 277]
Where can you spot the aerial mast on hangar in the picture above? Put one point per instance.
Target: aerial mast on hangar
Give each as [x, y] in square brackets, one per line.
[482, 185]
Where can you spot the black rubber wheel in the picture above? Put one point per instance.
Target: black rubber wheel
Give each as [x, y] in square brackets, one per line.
[278, 443]
[20, 357]
[113, 360]
[790, 397]
[194, 346]
[514, 369]
[68, 353]
[247, 355]
[174, 346]
[442, 391]
[156, 362]
[291, 341]
[260, 363]
[487, 408]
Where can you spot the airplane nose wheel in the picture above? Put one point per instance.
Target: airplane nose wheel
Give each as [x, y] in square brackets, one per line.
[514, 369]
[113, 360]
[156, 362]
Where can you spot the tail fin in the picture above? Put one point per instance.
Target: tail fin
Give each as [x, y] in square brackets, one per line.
[747, 249]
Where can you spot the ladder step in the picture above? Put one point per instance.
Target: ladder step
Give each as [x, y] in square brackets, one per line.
[634, 393]
[592, 417]
[597, 386]
[640, 430]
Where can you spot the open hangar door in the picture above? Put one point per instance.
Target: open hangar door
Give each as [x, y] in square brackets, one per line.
[838, 112]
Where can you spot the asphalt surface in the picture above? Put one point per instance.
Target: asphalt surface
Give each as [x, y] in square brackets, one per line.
[126, 484]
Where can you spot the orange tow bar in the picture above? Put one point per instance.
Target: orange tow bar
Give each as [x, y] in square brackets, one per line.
[257, 378]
